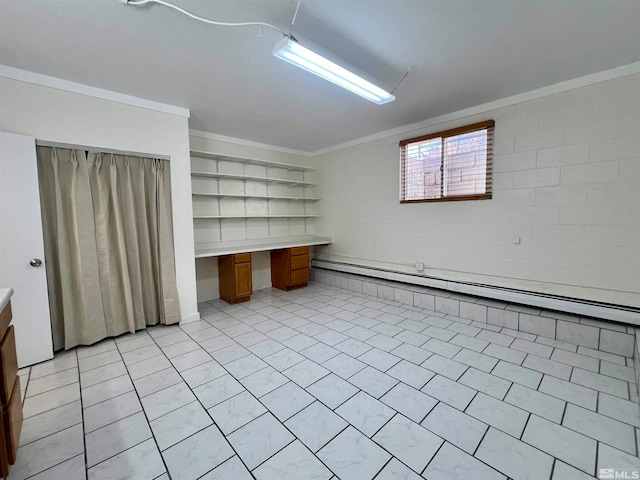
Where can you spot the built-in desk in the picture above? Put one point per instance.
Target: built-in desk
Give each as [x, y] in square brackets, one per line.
[289, 263]
[218, 249]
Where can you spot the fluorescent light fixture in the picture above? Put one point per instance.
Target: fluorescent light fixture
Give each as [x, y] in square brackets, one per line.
[291, 51]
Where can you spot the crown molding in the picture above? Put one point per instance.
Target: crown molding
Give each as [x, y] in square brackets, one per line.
[567, 85]
[81, 89]
[248, 143]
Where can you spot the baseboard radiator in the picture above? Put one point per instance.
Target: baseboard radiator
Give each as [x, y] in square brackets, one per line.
[590, 325]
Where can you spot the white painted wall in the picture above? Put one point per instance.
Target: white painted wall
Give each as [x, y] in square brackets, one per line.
[58, 116]
[567, 182]
[208, 231]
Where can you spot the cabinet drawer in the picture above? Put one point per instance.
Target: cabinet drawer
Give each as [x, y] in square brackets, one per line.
[299, 261]
[299, 251]
[242, 257]
[5, 319]
[298, 277]
[13, 422]
[9, 365]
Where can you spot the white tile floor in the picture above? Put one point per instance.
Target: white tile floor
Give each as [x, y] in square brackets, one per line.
[322, 383]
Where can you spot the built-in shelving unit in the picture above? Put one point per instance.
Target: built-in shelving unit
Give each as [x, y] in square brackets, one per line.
[237, 199]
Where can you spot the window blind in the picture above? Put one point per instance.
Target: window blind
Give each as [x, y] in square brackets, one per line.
[450, 165]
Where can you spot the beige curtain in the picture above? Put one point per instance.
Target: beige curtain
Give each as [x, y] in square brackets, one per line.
[108, 244]
[77, 315]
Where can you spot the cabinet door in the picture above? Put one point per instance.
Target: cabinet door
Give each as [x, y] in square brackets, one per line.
[9, 364]
[243, 279]
[13, 422]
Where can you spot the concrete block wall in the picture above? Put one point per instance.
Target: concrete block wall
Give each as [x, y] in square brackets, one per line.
[591, 336]
[566, 183]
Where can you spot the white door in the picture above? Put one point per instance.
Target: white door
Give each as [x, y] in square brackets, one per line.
[21, 245]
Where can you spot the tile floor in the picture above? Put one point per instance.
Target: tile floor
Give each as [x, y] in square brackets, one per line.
[322, 383]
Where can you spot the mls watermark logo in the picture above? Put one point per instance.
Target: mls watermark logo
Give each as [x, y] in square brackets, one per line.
[621, 473]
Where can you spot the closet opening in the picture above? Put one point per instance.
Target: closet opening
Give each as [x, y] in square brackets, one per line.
[108, 239]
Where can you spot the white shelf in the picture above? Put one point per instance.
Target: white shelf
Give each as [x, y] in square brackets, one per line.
[210, 224]
[262, 197]
[251, 161]
[282, 181]
[217, 217]
[245, 246]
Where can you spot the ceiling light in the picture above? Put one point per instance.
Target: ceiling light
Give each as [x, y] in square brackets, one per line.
[291, 51]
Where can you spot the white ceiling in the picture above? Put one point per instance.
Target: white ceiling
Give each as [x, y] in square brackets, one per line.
[467, 52]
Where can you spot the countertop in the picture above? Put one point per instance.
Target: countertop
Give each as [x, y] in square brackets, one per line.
[5, 295]
[245, 246]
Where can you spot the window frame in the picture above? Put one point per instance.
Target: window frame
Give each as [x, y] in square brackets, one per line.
[488, 125]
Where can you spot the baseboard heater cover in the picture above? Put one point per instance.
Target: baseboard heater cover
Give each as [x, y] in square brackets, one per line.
[575, 306]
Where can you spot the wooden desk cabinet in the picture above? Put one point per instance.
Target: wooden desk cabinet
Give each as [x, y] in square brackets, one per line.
[11, 417]
[290, 268]
[234, 275]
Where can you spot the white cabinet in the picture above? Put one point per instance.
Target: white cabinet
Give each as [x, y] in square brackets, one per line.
[239, 199]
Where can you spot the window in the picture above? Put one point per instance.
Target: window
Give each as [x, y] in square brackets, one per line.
[451, 165]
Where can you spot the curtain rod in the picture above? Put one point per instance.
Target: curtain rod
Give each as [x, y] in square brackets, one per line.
[44, 143]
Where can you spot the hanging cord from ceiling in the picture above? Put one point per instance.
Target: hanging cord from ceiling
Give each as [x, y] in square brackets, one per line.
[402, 79]
[137, 3]
[295, 14]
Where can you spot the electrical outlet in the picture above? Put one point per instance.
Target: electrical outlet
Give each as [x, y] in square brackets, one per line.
[516, 240]
[420, 266]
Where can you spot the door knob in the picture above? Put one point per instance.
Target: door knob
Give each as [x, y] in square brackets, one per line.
[35, 262]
